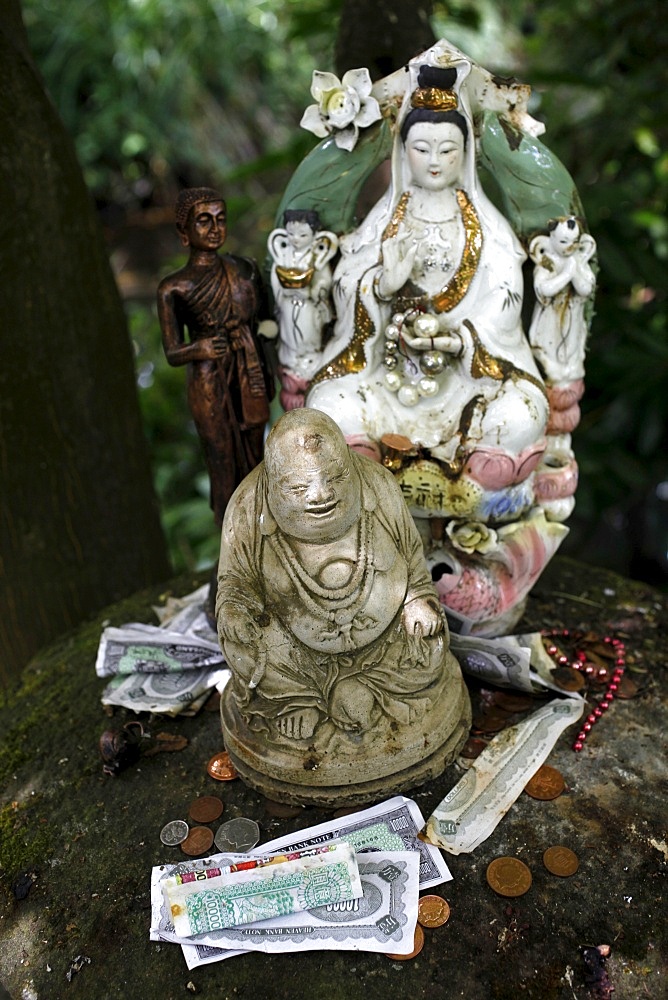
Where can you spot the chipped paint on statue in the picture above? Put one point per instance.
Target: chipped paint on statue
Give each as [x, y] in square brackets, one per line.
[428, 368]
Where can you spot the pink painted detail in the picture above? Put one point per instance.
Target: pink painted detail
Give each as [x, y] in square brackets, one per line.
[495, 468]
[564, 410]
[293, 389]
[556, 483]
[562, 397]
[563, 421]
[486, 589]
[363, 446]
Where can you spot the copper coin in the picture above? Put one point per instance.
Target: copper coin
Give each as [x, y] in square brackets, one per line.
[627, 688]
[487, 722]
[561, 861]
[547, 783]
[418, 945]
[473, 748]
[433, 911]
[508, 877]
[221, 767]
[212, 704]
[568, 679]
[198, 841]
[205, 809]
[511, 702]
[282, 810]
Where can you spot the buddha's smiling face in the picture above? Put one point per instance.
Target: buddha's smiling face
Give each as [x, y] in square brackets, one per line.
[315, 495]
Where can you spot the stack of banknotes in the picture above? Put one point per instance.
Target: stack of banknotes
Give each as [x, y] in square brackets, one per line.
[352, 883]
[167, 669]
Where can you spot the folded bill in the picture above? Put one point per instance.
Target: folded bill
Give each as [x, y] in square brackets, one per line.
[472, 809]
[165, 693]
[147, 649]
[212, 898]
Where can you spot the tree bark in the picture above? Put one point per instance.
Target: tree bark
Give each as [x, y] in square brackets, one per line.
[79, 525]
[382, 34]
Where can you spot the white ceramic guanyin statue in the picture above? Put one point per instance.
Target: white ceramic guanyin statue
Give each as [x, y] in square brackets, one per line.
[429, 369]
[301, 281]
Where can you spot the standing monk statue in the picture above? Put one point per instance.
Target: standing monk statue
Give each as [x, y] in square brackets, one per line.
[218, 299]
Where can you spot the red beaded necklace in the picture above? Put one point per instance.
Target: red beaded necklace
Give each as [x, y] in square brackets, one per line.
[580, 661]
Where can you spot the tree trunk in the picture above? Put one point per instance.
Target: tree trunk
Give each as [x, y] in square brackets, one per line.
[382, 34]
[79, 525]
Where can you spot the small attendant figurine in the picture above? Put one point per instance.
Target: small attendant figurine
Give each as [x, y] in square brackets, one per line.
[343, 684]
[563, 281]
[301, 279]
[218, 300]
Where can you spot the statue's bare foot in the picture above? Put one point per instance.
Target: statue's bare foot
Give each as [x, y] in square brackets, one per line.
[353, 707]
[298, 725]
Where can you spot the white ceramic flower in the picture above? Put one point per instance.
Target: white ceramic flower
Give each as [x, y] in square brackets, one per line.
[344, 106]
[472, 536]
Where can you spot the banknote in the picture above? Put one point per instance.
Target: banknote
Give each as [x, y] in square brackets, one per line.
[472, 809]
[511, 661]
[173, 606]
[162, 927]
[148, 649]
[211, 900]
[505, 662]
[392, 825]
[165, 693]
[382, 919]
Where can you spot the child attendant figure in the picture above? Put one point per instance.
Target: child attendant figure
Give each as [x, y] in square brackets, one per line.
[301, 279]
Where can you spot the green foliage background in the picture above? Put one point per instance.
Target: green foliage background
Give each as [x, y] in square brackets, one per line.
[162, 93]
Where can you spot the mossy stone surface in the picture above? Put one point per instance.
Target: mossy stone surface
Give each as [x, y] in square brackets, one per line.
[88, 842]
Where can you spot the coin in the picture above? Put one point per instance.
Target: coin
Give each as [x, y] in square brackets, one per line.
[627, 688]
[221, 767]
[433, 911]
[508, 877]
[568, 679]
[418, 944]
[547, 783]
[473, 748]
[561, 861]
[198, 841]
[490, 722]
[282, 810]
[205, 809]
[174, 832]
[212, 704]
[237, 835]
[512, 702]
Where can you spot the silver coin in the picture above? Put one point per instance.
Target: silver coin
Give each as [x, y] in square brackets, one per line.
[174, 833]
[237, 835]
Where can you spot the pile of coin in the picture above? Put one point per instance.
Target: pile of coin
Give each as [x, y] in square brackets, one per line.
[511, 877]
[493, 711]
[235, 836]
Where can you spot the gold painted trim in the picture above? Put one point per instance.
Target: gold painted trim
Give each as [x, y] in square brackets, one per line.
[434, 99]
[292, 277]
[392, 228]
[459, 284]
[351, 359]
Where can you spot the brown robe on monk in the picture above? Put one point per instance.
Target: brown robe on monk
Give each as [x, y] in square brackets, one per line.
[228, 397]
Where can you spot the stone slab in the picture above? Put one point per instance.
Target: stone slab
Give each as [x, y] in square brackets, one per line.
[87, 842]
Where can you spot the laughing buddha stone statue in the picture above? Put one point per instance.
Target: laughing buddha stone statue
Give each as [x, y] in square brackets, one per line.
[343, 684]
